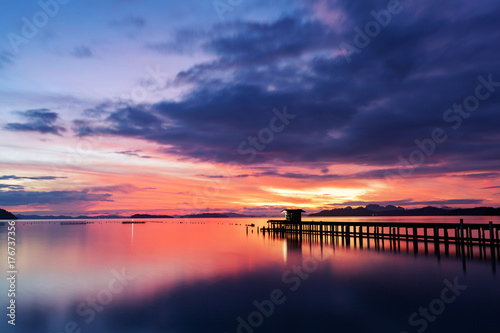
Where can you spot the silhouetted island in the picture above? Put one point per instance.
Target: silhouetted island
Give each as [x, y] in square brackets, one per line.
[377, 210]
[65, 217]
[203, 215]
[148, 216]
[5, 215]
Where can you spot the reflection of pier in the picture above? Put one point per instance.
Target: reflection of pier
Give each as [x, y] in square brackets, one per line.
[466, 240]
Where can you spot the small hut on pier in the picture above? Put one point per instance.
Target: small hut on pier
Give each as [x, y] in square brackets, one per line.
[293, 215]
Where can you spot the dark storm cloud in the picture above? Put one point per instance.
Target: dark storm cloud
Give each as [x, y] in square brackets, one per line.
[21, 197]
[248, 43]
[39, 120]
[371, 111]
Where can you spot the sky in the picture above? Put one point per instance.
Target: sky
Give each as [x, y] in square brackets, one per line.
[248, 106]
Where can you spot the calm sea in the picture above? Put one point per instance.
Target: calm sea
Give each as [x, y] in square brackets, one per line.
[212, 275]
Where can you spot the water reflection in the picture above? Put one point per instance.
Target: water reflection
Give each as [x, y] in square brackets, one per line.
[187, 277]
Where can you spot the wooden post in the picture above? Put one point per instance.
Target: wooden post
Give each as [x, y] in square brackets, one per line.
[497, 241]
[462, 229]
[492, 238]
[343, 234]
[394, 238]
[469, 241]
[446, 242]
[399, 240]
[360, 236]
[383, 239]
[436, 241]
[425, 240]
[348, 236]
[480, 242]
[415, 240]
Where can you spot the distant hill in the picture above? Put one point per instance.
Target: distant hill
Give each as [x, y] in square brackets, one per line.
[64, 217]
[203, 215]
[5, 215]
[148, 216]
[135, 216]
[241, 215]
[376, 210]
[44, 217]
[101, 217]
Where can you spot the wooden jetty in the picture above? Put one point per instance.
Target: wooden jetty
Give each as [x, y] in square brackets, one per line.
[465, 240]
[461, 233]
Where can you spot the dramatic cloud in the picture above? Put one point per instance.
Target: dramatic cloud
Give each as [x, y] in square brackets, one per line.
[280, 90]
[40, 120]
[377, 110]
[20, 198]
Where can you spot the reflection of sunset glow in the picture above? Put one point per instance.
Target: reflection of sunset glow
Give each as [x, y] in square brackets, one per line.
[285, 251]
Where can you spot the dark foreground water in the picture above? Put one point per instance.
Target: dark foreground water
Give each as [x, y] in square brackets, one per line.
[209, 275]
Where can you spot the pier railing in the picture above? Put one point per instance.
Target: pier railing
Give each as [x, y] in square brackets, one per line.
[470, 233]
[465, 240]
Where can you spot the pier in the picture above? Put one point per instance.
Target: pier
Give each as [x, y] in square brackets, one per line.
[470, 233]
[461, 233]
[474, 241]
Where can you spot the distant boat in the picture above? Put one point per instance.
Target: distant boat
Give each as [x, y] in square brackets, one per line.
[251, 225]
[132, 222]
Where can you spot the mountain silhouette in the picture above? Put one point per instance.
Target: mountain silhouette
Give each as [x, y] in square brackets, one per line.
[5, 215]
[376, 210]
[149, 216]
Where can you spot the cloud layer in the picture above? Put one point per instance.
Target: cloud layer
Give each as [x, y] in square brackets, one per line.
[39, 120]
[371, 111]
